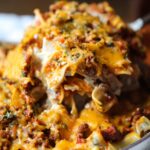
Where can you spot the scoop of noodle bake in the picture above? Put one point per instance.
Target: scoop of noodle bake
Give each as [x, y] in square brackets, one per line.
[73, 82]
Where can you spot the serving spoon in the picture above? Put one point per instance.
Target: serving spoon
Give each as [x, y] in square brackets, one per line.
[139, 23]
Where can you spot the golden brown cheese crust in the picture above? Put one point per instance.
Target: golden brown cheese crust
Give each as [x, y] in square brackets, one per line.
[74, 35]
[71, 41]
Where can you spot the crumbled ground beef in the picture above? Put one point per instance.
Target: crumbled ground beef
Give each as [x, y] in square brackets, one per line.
[83, 133]
[111, 134]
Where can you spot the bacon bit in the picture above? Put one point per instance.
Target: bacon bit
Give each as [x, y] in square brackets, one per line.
[40, 122]
[8, 140]
[13, 132]
[80, 140]
[83, 133]
[90, 71]
[28, 113]
[111, 134]
[122, 46]
[52, 140]
[83, 128]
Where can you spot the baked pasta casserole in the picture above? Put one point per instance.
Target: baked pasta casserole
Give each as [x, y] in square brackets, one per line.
[77, 81]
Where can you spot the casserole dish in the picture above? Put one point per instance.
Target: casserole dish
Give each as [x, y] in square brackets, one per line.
[77, 80]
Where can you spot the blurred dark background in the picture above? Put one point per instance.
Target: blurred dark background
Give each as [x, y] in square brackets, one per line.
[128, 9]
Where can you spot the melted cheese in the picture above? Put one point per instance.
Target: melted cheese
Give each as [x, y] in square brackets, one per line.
[58, 114]
[114, 59]
[14, 64]
[64, 145]
[93, 118]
